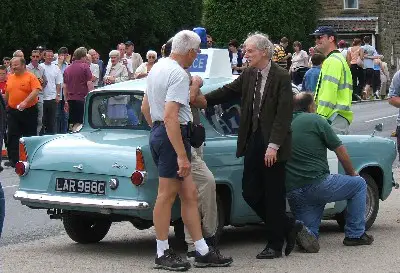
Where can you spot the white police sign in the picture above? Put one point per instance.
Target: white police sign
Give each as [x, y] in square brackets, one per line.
[212, 63]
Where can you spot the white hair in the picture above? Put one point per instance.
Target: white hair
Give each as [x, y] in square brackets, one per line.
[184, 41]
[92, 51]
[151, 52]
[114, 53]
[18, 53]
[262, 42]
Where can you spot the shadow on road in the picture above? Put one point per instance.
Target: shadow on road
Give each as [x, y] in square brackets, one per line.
[144, 245]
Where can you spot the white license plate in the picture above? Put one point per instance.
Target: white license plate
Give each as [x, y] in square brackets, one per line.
[80, 186]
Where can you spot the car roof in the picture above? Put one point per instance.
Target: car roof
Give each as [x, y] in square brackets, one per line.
[140, 85]
[212, 65]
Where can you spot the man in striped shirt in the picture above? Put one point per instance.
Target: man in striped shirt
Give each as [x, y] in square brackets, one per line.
[280, 57]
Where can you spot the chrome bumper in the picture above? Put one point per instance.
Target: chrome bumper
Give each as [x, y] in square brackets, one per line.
[117, 204]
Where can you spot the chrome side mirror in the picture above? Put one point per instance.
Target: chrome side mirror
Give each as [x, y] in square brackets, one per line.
[378, 128]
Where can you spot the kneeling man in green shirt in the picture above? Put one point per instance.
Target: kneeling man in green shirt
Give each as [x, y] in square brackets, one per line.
[309, 184]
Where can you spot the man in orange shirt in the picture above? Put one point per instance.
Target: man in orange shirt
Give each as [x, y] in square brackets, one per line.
[22, 91]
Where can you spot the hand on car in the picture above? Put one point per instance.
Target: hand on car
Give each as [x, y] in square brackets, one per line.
[184, 166]
[270, 157]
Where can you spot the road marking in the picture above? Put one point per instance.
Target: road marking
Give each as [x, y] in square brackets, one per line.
[375, 119]
[12, 186]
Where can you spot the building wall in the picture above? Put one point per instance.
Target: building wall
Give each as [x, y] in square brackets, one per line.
[333, 8]
[389, 33]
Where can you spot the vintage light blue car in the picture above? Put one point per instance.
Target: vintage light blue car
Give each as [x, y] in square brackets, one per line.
[104, 173]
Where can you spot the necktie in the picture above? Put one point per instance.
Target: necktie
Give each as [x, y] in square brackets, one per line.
[257, 102]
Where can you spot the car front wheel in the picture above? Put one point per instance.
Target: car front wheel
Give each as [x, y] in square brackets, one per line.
[85, 229]
[372, 204]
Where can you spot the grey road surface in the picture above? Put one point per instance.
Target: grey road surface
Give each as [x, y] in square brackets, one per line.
[31, 242]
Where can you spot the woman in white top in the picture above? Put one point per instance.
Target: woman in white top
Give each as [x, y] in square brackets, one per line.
[143, 70]
[299, 63]
[117, 72]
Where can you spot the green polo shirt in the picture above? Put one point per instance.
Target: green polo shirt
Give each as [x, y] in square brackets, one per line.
[311, 136]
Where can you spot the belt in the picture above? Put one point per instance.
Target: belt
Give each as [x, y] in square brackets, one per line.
[160, 122]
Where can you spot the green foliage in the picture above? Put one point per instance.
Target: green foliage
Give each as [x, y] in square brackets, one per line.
[99, 24]
[234, 19]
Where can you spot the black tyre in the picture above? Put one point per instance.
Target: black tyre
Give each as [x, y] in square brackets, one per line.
[179, 226]
[372, 206]
[84, 229]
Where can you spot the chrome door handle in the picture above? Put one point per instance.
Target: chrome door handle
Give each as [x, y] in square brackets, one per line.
[79, 167]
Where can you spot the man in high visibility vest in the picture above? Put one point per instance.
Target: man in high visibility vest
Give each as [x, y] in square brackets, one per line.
[333, 94]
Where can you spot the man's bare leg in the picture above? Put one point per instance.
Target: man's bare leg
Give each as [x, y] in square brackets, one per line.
[167, 191]
[190, 213]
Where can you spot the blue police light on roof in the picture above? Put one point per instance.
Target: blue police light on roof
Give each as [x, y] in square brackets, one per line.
[199, 64]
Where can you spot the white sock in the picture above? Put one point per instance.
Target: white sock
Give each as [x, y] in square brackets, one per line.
[201, 247]
[161, 247]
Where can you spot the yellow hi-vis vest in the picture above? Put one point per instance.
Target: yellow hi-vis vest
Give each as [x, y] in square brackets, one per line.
[334, 88]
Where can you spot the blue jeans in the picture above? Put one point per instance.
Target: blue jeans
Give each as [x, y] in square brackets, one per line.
[308, 203]
[61, 118]
[2, 208]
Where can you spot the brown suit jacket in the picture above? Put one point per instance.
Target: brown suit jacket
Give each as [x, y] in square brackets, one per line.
[275, 111]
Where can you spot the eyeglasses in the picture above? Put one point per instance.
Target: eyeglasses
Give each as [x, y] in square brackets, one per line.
[37, 57]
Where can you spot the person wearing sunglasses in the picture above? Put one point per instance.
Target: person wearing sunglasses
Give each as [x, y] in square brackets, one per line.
[333, 94]
[143, 70]
[38, 71]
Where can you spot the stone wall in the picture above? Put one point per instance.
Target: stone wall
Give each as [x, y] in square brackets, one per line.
[389, 33]
[334, 8]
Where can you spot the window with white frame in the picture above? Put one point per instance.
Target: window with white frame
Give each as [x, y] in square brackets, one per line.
[350, 4]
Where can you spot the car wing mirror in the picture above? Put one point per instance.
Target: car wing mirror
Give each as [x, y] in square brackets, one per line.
[378, 128]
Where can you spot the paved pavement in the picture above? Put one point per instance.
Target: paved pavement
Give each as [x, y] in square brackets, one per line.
[32, 242]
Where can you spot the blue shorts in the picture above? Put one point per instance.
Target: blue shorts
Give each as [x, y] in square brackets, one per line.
[163, 152]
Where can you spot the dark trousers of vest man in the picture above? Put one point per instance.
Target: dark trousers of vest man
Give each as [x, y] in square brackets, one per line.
[264, 187]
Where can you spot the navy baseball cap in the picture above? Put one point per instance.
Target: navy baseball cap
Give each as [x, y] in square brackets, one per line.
[324, 31]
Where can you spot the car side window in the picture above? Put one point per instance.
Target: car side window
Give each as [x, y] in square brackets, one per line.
[117, 111]
[225, 117]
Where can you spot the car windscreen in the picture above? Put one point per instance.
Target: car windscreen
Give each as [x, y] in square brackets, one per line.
[117, 110]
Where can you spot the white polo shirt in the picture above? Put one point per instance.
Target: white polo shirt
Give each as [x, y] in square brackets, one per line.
[54, 76]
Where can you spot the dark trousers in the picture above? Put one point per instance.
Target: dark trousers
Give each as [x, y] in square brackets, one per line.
[61, 118]
[49, 117]
[265, 192]
[2, 208]
[20, 124]
[357, 75]
[376, 83]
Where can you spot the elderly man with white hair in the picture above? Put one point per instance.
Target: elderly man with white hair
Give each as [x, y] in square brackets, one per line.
[116, 72]
[143, 70]
[167, 110]
[264, 139]
[18, 53]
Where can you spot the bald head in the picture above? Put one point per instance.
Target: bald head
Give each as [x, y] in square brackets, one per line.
[304, 102]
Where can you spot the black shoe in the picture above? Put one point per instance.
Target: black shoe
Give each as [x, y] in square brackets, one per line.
[365, 239]
[171, 261]
[190, 256]
[9, 164]
[1, 168]
[212, 259]
[291, 237]
[269, 253]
